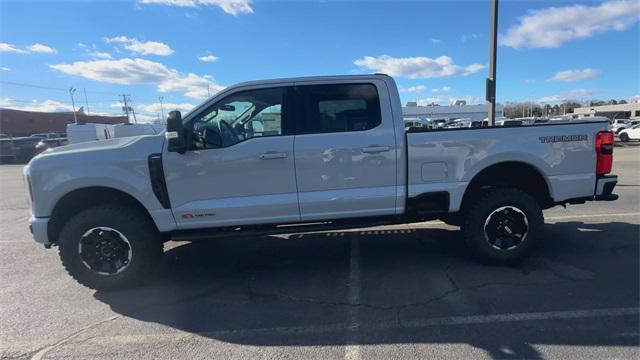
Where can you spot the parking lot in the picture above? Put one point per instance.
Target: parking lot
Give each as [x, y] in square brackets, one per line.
[389, 292]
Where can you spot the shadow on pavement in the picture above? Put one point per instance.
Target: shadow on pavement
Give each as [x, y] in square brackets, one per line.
[295, 291]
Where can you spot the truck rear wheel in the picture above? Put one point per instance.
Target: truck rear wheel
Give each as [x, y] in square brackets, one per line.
[109, 247]
[503, 225]
[624, 137]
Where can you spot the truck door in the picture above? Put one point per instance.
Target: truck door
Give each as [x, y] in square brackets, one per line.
[239, 168]
[345, 150]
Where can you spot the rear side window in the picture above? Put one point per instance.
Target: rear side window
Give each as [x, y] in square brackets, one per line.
[338, 108]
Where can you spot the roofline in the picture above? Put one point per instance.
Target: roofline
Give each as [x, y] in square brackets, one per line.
[310, 78]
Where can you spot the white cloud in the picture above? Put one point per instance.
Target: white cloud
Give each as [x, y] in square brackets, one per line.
[156, 108]
[574, 75]
[144, 48]
[4, 68]
[416, 67]
[465, 37]
[208, 58]
[99, 54]
[233, 7]
[140, 71]
[551, 27]
[443, 89]
[436, 41]
[36, 48]
[579, 94]
[40, 48]
[413, 89]
[5, 47]
[81, 45]
[35, 105]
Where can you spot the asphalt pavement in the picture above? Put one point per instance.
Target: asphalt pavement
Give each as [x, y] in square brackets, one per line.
[400, 292]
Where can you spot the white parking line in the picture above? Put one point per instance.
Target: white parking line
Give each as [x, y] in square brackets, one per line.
[589, 216]
[352, 350]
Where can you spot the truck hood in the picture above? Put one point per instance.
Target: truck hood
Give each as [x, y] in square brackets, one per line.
[101, 151]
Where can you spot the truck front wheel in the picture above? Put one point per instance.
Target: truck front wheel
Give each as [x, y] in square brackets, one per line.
[502, 225]
[109, 246]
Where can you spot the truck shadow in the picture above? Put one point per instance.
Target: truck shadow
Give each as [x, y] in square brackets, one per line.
[299, 290]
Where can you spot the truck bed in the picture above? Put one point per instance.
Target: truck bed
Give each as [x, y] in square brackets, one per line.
[446, 160]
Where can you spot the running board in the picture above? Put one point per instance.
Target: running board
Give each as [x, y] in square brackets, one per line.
[297, 228]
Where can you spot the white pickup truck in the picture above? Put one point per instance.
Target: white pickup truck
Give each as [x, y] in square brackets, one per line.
[301, 155]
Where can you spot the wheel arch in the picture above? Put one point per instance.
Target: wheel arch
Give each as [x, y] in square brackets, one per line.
[517, 174]
[80, 199]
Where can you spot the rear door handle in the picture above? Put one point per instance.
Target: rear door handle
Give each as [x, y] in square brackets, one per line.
[272, 155]
[375, 149]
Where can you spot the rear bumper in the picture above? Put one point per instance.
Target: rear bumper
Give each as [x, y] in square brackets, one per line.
[38, 227]
[604, 188]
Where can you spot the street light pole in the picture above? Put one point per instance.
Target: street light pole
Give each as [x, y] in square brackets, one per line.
[161, 108]
[73, 105]
[493, 52]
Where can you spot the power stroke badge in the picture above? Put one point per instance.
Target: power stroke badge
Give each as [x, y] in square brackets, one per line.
[562, 138]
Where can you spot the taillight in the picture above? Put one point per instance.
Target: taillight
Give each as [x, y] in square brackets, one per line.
[604, 152]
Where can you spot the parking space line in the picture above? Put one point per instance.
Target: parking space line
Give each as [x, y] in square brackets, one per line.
[590, 216]
[352, 350]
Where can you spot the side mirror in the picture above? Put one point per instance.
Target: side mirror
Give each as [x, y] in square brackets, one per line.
[175, 133]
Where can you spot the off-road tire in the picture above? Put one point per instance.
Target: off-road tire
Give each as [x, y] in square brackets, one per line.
[145, 244]
[479, 212]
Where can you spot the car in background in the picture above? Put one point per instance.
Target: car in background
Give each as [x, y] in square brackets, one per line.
[632, 133]
[51, 135]
[628, 125]
[618, 124]
[508, 123]
[46, 144]
[20, 149]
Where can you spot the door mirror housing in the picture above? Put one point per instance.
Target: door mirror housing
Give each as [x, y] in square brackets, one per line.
[175, 133]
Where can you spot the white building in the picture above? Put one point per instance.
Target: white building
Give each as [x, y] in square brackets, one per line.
[413, 112]
[619, 111]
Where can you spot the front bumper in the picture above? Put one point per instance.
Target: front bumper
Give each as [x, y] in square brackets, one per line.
[38, 227]
[604, 188]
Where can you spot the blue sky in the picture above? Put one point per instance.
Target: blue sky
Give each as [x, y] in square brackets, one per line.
[436, 50]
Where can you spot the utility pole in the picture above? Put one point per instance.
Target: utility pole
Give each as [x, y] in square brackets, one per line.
[85, 100]
[161, 108]
[126, 106]
[208, 90]
[73, 104]
[493, 52]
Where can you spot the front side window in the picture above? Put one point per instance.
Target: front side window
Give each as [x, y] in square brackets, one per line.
[238, 117]
[338, 108]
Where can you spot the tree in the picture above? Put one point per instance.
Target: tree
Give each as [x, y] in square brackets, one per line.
[622, 101]
[613, 102]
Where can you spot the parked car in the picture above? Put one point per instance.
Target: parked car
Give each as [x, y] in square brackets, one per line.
[629, 124]
[51, 135]
[632, 133]
[20, 149]
[242, 164]
[45, 144]
[618, 124]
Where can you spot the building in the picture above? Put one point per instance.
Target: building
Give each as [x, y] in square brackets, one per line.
[619, 111]
[24, 123]
[414, 112]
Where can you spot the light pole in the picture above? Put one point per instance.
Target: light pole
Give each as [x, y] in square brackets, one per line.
[161, 108]
[73, 104]
[493, 52]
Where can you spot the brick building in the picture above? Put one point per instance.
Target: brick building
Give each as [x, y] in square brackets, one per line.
[24, 123]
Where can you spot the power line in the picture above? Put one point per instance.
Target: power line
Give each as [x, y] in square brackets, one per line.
[50, 88]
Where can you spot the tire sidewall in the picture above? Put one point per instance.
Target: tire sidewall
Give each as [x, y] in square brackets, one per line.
[624, 137]
[474, 229]
[120, 219]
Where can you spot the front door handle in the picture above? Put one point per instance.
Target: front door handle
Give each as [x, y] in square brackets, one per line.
[375, 149]
[272, 155]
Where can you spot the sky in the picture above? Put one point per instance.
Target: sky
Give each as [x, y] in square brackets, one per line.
[186, 50]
